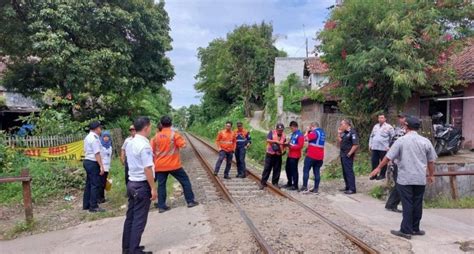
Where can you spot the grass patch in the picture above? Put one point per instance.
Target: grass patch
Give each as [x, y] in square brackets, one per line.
[362, 166]
[378, 192]
[445, 202]
[20, 227]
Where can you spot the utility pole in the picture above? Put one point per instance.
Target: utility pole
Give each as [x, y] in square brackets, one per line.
[306, 47]
[306, 40]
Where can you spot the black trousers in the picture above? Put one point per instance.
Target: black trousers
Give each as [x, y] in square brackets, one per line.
[126, 172]
[103, 181]
[272, 162]
[240, 158]
[291, 169]
[412, 203]
[139, 194]
[348, 172]
[228, 157]
[394, 197]
[376, 158]
[183, 179]
[93, 185]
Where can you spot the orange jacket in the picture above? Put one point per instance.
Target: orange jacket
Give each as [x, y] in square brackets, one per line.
[165, 146]
[226, 141]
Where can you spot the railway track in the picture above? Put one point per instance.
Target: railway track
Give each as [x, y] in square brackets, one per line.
[245, 195]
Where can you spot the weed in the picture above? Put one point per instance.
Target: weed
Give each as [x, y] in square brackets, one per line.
[378, 192]
[445, 202]
[20, 227]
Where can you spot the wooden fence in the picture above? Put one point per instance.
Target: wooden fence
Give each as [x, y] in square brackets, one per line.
[52, 141]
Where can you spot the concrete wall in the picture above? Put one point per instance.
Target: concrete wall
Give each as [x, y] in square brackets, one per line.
[468, 118]
[442, 187]
[286, 117]
[284, 66]
[310, 112]
[318, 80]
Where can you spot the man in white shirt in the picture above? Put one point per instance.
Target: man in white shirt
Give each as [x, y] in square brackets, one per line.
[140, 188]
[94, 168]
[123, 156]
[379, 142]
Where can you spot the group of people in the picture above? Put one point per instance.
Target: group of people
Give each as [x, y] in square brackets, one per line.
[146, 162]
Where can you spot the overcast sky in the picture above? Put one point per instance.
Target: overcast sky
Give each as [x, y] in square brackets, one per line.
[194, 23]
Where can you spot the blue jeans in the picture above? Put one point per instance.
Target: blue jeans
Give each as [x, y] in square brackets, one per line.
[228, 157]
[93, 185]
[240, 158]
[139, 194]
[316, 165]
[182, 178]
[291, 168]
[348, 172]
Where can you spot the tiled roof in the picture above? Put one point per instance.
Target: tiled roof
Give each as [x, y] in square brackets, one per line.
[463, 62]
[316, 66]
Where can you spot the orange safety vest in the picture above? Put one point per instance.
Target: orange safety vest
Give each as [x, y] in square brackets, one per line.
[226, 141]
[165, 146]
[275, 138]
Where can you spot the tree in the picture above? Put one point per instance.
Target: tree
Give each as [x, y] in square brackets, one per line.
[237, 69]
[383, 51]
[97, 53]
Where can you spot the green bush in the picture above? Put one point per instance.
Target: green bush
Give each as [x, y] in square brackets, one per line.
[445, 202]
[292, 92]
[10, 160]
[362, 166]
[378, 192]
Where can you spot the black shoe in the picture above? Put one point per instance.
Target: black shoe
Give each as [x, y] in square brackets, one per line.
[97, 210]
[380, 177]
[125, 251]
[343, 190]
[373, 177]
[315, 191]
[215, 173]
[395, 210]
[286, 186]
[243, 176]
[421, 232]
[293, 188]
[303, 188]
[193, 204]
[237, 176]
[164, 209]
[277, 186]
[400, 234]
[227, 177]
[349, 192]
[262, 187]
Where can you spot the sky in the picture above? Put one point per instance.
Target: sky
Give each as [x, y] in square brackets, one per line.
[195, 23]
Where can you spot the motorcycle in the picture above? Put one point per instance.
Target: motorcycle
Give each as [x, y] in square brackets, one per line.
[448, 139]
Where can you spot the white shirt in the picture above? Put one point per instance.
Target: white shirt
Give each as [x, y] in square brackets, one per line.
[381, 136]
[127, 140]
[139, 157]
[106, 155]
[91, 146]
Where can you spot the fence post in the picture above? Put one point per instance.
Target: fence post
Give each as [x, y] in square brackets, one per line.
[27, 202]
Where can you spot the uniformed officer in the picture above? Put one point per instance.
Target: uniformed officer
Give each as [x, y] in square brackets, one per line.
[94, 168]
[226, 144]
[379, 142]
[166, 146]
[141, 189]
[276, 144]
[243, 142]
[415, 155]
[123, 157]
[316, 138]
[349, 142]
[295, 145]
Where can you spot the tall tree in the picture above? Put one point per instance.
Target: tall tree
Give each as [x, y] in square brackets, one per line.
[382, 51]
[98, 53]
[237, 69]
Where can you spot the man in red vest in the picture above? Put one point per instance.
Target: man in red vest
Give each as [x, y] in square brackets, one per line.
[276, 141]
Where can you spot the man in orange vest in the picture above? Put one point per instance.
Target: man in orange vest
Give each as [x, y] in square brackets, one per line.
[243, 142]
[226, 143]
[166, 145]
[276, 142]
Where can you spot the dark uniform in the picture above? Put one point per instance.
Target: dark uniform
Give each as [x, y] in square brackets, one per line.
[243, 139]
[349, 139]
[394, 197]
[93, 180]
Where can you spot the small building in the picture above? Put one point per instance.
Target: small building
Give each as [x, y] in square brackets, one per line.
[13, 105]
[312, 110]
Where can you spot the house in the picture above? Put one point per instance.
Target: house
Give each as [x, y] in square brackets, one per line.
[13, 105]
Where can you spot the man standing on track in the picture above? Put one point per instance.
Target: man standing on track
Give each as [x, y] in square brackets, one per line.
[295, 146]
[275, 149]
[141, 188]
[379, 142]
[166, 145]
[243, 142]
[415, 155]
[349, 143]
[314, 156]
[94, 168]
[226, 143]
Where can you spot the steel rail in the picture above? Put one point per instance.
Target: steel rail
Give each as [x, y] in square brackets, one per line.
[264, 246]
[354, 239]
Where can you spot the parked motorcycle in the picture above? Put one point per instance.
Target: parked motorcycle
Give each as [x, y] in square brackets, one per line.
[448, 139]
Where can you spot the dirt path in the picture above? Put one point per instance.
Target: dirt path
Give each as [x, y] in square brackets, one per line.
[256, 120]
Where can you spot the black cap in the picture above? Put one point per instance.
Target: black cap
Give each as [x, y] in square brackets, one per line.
[401, 115]
[413, 123]
[280, 126]
[94, 125]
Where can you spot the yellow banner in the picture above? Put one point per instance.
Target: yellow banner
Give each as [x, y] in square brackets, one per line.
[68, 152]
